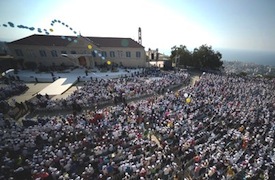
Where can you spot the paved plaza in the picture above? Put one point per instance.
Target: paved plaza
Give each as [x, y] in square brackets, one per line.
[60, 84]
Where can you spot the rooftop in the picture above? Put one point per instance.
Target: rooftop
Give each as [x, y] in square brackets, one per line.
[54, 40]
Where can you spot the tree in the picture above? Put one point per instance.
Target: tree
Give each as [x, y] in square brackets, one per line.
[181, 56]
[206, 57]
[202, 57]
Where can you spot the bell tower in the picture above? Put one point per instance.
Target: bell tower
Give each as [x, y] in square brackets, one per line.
[139, 36]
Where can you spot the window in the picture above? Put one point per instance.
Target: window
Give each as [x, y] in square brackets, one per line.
[94, 53]
[153, 56]
[112, 54]
[42, 53]
[30, 52]
[18, 52]
[138, 54]
[73, 52]
[128, 54]
[120, 54]
[99, 53]
[54, 53]
[104, 54]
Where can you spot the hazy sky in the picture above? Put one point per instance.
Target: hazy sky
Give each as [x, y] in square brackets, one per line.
[229, 24]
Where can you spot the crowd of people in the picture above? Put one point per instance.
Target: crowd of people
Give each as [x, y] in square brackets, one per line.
[98, 91]
[220, 128]
[237, 116]
[12, 88]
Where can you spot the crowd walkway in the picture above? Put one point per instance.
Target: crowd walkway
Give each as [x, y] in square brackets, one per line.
[59, 86]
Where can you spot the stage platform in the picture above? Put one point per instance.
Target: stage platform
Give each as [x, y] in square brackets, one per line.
[59, 86]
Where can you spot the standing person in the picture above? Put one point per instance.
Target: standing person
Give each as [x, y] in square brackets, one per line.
[13, 102]
[124, 101]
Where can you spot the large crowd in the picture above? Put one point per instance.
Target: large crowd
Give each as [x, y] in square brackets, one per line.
[12, 89]
[98, 91]
[220, 128]
[8, 90]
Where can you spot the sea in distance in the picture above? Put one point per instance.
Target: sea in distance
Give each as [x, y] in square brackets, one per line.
[257, 57]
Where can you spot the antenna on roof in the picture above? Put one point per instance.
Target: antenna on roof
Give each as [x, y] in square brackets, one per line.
[139, 36]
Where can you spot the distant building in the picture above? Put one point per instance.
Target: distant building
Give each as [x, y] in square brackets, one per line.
[6, 60]
[155, 58]
[78, 50]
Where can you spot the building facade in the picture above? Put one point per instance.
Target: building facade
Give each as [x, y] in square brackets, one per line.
[78, 50]
[156, 59]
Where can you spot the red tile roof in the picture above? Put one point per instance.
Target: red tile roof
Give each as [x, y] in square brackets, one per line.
[43, 40]
[50, 40]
